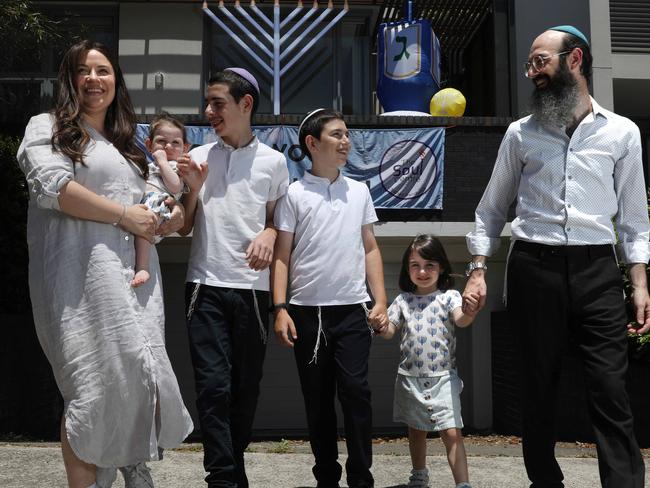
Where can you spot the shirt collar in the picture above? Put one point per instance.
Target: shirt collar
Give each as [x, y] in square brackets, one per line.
[318, 180]
[252, 144]
[597, 109]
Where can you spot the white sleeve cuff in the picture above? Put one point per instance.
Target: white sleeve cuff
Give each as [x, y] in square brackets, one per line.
[482, 245]
[634, 252]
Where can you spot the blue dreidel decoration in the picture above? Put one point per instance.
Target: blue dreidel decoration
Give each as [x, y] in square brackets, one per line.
[408, 64]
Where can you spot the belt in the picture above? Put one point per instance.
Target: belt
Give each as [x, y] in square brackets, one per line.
[591, 251]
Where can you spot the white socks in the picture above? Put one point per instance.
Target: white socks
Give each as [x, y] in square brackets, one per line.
[94, 485]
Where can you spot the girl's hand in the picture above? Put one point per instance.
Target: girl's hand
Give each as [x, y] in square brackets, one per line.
[193, 174]
[140, 221]
[378, 317]
[471, 304]
[475, 286]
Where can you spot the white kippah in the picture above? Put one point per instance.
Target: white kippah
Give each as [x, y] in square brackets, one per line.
[313, 112]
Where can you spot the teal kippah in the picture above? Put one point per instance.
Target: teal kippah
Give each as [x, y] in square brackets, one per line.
[569, 29]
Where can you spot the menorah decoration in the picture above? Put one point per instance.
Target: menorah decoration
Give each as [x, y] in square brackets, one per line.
[269, 38]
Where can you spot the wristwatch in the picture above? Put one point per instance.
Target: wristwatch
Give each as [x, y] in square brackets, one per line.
[277, 306]
[472, 265]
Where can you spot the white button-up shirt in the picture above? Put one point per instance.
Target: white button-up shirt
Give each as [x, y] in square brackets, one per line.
[231, 212]
[569, 190]
[328, 264]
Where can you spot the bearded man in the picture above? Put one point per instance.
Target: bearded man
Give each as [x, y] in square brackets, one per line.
[575, 169]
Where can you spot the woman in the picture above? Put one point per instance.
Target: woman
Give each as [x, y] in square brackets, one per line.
[103, 338]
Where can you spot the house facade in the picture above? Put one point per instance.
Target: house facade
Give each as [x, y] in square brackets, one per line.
[168, 48]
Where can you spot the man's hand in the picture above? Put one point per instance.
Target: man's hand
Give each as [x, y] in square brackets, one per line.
[260, 252]
[641, 302]
[470, 304]
[176, 219]
[193, 174]
[474, 289]
[378, 318]
[284, 328]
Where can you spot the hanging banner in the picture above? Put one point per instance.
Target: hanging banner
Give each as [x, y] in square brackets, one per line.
[402, 168]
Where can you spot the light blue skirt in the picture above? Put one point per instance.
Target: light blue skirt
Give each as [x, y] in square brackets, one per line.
[429, 403]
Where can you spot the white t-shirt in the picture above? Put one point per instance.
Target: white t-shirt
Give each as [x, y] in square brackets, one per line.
[428, 342]
[328, 265]
[231, 212]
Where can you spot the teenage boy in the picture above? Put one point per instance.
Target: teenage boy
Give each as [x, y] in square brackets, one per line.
[325, 251]
[230, 208]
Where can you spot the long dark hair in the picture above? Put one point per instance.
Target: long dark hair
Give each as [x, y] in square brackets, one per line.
[430, 248]
[69, 136]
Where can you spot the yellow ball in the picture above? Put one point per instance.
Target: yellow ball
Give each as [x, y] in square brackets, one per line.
[448, 102]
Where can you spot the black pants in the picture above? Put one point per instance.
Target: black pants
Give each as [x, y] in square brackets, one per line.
[557, 293]
[341, 366]
[227, 354]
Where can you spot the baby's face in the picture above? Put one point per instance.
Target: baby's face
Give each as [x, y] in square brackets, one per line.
[170, 139]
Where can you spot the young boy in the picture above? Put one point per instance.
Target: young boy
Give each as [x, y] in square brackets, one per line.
[325, 251]
[230, 206]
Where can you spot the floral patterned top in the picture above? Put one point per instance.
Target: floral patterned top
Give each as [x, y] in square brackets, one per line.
[428, 343]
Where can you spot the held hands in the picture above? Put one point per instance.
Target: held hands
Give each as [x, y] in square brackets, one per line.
[474, 293]
[378, 318]
[471, 303]
[284, 328]
[641, 302]
[260, 251]
[193, 173]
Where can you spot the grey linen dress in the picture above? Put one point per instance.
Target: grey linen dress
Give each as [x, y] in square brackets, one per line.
[104, 339]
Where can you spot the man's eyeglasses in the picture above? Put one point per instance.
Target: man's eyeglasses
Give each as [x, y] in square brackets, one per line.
[538, 62]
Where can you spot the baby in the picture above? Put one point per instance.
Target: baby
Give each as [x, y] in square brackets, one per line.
[166, 142]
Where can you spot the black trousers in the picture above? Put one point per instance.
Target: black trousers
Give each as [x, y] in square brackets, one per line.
[341, 366]
[558, 293]
[227, 354]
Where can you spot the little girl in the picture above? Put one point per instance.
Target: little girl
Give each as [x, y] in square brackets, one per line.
[166, 142]
[427, 388]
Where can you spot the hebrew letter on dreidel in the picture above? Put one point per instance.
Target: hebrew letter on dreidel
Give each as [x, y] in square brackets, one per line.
[405, 53]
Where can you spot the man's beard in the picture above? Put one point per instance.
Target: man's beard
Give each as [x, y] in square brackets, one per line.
[554, 104]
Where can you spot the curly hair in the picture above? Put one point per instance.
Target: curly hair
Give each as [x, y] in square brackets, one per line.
[430, 248]
[69, 136]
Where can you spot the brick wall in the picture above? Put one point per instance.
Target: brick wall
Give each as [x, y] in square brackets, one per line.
[470, 153]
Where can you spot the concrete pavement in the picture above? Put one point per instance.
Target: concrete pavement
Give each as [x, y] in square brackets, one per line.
[494, 462]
